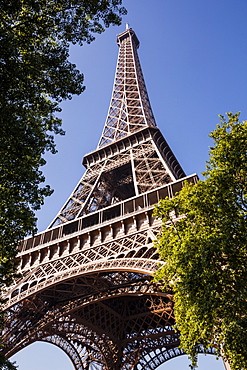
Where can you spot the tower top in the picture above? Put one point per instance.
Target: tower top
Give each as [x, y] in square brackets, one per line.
[128, 33]
[130, 109]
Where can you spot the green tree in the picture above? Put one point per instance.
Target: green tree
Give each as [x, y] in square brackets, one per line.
[204, 245]
[36, 75]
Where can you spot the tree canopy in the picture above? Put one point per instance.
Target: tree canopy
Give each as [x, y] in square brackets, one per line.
[36, 75]
[204, 244]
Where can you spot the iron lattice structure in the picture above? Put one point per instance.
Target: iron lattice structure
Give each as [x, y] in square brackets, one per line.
[86, 282]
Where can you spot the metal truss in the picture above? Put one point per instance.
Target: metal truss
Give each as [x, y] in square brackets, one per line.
[123, 166]
[76, 356]
[126, 311]
[86, 282]
[130, 108]
[83, 352]
[117, 177]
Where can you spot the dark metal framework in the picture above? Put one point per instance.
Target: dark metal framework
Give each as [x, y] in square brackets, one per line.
[86, 282]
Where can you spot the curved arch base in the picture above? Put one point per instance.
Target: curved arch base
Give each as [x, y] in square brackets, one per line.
[106, 321]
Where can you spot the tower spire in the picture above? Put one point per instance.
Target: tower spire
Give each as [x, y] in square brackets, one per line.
[130, 109]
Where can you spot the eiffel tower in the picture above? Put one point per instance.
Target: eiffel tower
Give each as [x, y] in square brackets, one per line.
[86, 281]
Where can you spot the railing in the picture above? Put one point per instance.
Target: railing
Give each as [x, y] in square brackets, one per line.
[134, 204]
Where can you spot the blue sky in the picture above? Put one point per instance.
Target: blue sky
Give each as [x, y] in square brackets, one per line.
[193, 56]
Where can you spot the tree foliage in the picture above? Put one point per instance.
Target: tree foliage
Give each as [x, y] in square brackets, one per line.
[205, 250]
[36, 75]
